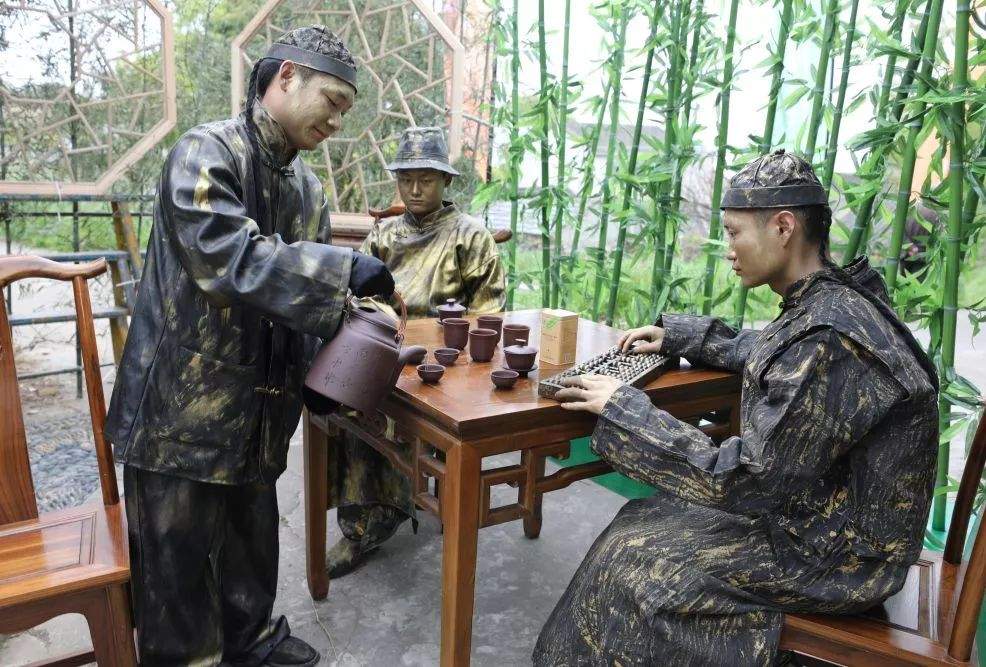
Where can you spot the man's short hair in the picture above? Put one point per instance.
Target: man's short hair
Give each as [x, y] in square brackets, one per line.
[816, 220]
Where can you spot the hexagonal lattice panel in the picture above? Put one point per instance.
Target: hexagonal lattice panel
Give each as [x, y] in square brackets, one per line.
[410, 74]
[87, 87]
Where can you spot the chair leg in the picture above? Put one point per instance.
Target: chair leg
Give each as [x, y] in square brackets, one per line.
[316, 453]
[111, 628]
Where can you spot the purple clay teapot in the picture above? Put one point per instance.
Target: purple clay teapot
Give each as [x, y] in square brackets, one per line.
[360, 366]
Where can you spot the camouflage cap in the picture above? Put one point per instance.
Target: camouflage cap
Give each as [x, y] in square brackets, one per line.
[317, 47]
[772, 181]
[422, 148]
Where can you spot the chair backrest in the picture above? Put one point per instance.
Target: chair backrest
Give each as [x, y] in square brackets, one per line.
[17, 498]
[973, 579]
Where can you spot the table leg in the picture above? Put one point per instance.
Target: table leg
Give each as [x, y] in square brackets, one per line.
[460, 515]
[533, 463]
[440, 455]
[316, 450]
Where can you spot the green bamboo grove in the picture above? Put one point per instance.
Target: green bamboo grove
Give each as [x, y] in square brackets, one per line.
[622, 236]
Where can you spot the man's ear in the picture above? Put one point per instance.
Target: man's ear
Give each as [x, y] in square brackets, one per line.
[448, 180]
[285, 73]
[785, 222]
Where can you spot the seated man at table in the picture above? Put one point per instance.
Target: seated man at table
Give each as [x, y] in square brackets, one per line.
[435, 253]
[818, 505]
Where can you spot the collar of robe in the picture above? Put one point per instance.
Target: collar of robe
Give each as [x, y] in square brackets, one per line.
[797, 290]
[434, 218]
[277, 153]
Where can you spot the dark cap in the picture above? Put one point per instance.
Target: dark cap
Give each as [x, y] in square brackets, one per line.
[775, 180]
[318, 48]
[422, 148]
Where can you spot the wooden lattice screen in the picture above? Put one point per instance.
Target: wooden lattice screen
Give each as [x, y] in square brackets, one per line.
[87, 87]
[410, 74]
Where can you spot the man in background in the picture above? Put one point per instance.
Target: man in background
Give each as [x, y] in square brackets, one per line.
[435, 252]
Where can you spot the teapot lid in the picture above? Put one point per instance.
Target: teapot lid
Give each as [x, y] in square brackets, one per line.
[521, 348]
[374, 316]
[451, 307]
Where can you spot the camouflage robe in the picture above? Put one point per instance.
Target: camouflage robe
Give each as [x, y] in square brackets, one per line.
[444, 255]
[819, 505]
[217, 283]
[234, 296]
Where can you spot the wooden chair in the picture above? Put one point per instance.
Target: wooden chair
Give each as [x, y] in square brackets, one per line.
[72, 560]
[931, 621]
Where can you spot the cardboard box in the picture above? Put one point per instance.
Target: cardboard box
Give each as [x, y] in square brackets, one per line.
[559, 336]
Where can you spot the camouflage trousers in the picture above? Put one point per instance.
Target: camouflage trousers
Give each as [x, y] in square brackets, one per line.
[373, 498]
[674, 583]
[203, 561]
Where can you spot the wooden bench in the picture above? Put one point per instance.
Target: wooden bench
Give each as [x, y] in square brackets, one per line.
[74, 560]
[931, 621]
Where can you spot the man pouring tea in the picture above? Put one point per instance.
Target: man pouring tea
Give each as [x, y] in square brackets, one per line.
[239, 285]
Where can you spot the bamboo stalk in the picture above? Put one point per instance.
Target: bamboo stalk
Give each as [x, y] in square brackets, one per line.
[969, 208]
[971, 204]
[689, 95]
[831, 14]
[900, 98]
[545, 178]
[953, 243]
[560, 200]
[588, 176]
[767, 140]
[514, 160]
[614, 287]
[714, 223]
[614, 129]
[686, 107]
[777, 76]
[874, 162]
[914, 124]
[662, 201]
[833, 144]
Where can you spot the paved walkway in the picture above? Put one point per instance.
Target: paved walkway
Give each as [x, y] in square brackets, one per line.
[388, 613]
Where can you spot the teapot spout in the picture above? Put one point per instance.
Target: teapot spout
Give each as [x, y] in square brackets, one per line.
[414, 354]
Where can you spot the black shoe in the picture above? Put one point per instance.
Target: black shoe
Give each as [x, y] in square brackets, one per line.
[345, 556]
[292, 652]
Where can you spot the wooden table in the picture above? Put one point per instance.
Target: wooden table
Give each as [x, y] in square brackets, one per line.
[450, 427]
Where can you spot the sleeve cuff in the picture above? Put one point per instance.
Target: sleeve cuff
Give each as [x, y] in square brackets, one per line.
[615, 406]
[332, 314]
[683, 334]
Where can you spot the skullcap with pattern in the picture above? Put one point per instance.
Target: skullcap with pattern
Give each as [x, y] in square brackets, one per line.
[775, 180]
[317, 47]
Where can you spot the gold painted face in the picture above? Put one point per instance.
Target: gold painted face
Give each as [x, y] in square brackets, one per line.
[313, 108]
[756, 247]
[422, 190]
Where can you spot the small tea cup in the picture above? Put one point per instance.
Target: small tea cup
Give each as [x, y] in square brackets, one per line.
[455, 332]
[494, 322]
[482, 344]
[504, 379]
[512, 333]
[446, 356]
[431, 373]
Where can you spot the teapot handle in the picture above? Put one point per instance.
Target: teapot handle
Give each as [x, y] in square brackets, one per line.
[402, 325]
